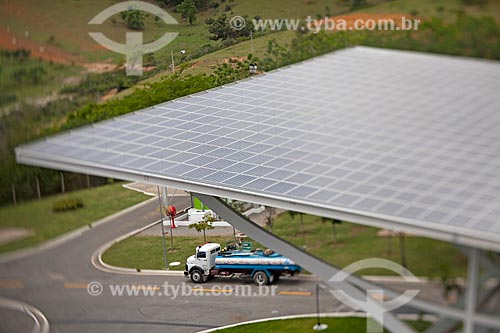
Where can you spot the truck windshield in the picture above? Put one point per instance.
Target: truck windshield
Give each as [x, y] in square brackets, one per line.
[201, 255]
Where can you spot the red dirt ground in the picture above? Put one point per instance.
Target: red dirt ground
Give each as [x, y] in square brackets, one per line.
[8, 41]
[50, 53]
[38, 51]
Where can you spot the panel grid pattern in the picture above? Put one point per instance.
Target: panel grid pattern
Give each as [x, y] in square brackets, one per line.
[398, 134]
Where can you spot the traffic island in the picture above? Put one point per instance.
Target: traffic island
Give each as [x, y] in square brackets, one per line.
[346, 322]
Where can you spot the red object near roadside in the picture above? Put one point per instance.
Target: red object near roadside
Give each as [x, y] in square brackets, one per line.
[171, 211]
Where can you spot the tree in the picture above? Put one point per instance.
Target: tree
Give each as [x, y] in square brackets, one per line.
[402, 249]
[202, 4]
[238, 206]
[134, 19]
[449, 284]
[221, 28]
[188, 11]
[270, 218]
[204, 224]
[389, 243]
[358, 4]
[301, 215]
[334, 223]
[169, 3]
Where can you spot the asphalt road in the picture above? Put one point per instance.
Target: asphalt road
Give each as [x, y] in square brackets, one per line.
[55, 281]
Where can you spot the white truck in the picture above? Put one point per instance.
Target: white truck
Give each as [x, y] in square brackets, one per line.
[264, 267]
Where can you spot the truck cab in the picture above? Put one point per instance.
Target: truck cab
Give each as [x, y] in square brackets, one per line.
[198, 266]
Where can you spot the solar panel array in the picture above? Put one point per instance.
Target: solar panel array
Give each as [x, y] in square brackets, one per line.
[397, 134]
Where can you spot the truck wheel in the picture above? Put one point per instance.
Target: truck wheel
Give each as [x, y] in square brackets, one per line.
[197, 276]
[260, 278]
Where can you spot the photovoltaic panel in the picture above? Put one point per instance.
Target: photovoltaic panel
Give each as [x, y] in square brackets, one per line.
[405, 137]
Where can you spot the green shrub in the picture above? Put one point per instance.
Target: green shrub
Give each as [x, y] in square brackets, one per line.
[67, 204]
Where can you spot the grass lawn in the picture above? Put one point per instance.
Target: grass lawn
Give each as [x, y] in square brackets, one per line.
[289, 9]
[205, 64]
[146, 252]
[208, 63]
[26, 87]
[38, 215]
[337, 325]
[426, 257]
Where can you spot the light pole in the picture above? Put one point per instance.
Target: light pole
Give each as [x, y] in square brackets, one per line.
[318, 326]
[182, 52]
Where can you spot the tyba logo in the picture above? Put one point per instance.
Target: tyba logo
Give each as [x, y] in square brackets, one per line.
[389, 305]
[133, 49]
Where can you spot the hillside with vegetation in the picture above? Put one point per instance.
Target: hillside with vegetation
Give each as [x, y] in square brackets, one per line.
[76, 82]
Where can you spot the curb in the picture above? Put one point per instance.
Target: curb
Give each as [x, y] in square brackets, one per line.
[99, 264]
[129, 186]
[59, 240]
[374, 278]
[309, 315]
[41, 322]
[431, 318]
[389, 278]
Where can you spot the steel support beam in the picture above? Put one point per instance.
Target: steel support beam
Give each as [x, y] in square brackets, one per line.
[323, 270]
[491, 265]
[328, 270]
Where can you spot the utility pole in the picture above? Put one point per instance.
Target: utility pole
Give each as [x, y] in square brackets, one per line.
[251, 41]
[173, 64]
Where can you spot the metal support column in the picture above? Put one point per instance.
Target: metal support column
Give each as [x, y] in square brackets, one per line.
[163, 231]
[164, 191]
[472, 289]
[322, 269]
